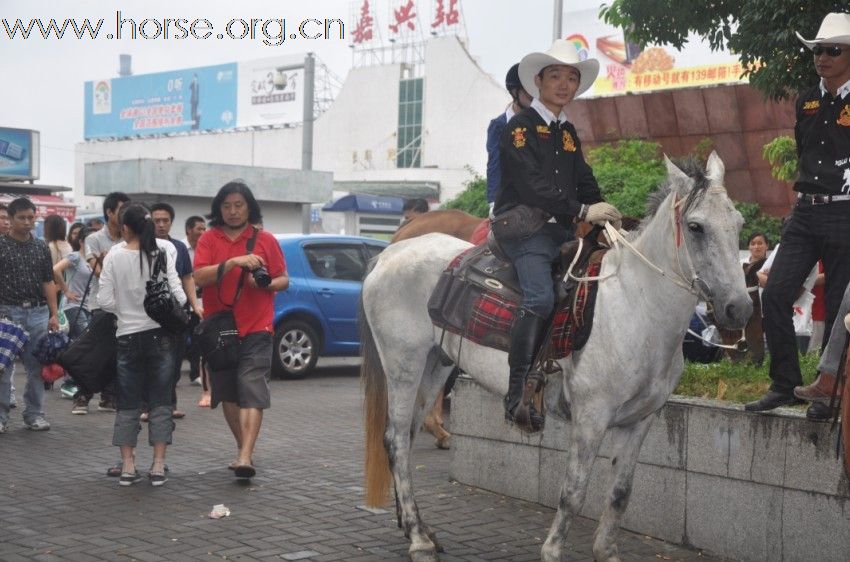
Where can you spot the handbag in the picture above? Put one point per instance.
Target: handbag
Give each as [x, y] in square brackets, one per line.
[160, 303]
[519, 221]
[13, 338]
[216, 336]
[90, 359]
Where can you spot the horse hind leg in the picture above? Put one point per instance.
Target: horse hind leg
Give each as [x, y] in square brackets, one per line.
[407, 407]
[627, 442]
[587, 431]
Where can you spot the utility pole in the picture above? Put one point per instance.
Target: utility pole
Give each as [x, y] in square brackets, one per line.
[557, 20]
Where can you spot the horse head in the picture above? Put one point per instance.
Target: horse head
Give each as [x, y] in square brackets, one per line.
[706, 235]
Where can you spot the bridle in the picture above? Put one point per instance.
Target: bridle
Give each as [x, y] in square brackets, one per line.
[692, 283]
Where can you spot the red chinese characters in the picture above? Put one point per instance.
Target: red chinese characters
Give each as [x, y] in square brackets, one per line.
[404, 15]
[443, 17]
[363, 31]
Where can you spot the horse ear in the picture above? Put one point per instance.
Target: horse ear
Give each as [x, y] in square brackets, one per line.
[674, 174]
[715, 169]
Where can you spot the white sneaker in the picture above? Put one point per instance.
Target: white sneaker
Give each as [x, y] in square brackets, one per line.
[4, 427]
[38, 424]
[197, 382]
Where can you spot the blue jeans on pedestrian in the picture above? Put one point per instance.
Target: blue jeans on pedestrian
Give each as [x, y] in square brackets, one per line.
[78, 321]
[145, 375]
[532, 257]
[34, 320]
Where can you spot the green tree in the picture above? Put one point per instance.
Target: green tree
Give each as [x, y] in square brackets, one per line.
[473, 199]
[781, 152]
[761, 32]
[627, 172]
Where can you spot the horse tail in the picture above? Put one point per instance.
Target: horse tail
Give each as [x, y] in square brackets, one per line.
[374, 383]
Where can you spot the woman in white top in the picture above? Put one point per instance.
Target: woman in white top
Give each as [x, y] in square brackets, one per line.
[145, 350]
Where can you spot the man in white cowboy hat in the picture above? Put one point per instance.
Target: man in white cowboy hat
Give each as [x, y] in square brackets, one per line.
[544, 174]
[819, 226]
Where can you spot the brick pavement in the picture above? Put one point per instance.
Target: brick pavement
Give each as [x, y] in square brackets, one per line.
[57, 504]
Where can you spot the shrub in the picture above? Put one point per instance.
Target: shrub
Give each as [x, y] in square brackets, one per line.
[627, 172]
[473, 199]
[781, 152]
[756, 221]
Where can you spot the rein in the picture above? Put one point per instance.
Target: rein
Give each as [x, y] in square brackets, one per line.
[693, 284]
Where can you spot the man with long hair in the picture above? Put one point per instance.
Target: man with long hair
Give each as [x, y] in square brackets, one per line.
[228, 274]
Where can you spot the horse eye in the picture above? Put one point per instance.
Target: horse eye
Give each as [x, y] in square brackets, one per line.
[694, 227]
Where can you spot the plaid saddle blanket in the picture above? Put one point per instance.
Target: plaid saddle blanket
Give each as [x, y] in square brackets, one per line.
[463, 305]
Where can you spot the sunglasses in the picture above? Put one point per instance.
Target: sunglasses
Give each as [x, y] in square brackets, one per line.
[818, 50]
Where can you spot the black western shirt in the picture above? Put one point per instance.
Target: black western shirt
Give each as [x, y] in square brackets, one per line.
[24, 266]
[823, 142]
[543, 167]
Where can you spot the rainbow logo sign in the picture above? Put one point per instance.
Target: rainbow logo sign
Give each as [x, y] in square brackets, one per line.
[581, 45]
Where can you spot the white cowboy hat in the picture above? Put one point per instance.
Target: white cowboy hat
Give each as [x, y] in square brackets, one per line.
[834, 29]
[562, 52]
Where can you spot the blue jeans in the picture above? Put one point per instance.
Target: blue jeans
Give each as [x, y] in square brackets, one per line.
[533, 257]
[78, 320]
[145, 374]
[34, 320]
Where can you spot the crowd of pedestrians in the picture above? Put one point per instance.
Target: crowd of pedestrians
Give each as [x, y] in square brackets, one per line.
[65, 280]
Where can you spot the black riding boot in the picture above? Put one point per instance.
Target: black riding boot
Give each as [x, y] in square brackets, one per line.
[526, 333]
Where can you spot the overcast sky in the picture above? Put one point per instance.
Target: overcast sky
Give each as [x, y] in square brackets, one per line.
[43, 79]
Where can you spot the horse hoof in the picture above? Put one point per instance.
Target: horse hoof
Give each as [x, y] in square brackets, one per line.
[444, 442]
[424, 556]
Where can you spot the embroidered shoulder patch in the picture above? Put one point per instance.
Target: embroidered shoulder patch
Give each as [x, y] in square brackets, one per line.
[519, 136]
[813, 104]
[844, 118]
[569, 142]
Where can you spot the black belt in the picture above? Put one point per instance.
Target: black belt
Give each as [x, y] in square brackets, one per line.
[27, 304]
[818, 199]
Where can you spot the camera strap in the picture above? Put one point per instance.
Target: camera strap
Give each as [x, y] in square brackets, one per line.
[249, 249]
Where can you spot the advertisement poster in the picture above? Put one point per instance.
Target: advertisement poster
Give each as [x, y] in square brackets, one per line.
[191, 99]
[626, 67]
[19, 154]
[270, 92]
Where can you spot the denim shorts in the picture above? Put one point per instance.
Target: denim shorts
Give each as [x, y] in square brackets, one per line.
[248, 384]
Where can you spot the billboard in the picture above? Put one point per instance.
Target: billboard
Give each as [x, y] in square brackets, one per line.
[270, 92]
[626, 67]
[262, 92]
[191, 99]
[19, 154]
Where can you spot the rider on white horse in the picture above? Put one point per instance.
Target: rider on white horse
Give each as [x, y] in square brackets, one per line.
[544, 174]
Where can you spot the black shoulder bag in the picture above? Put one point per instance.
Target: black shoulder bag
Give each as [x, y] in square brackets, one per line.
[160, 303]
[216, 336]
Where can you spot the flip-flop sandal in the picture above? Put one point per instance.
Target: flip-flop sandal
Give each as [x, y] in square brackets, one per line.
[244, 471]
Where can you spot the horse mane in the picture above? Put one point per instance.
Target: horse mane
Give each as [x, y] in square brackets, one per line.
[692, 168]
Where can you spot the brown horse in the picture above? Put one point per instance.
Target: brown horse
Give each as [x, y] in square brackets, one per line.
[449, 221]
[460, 225]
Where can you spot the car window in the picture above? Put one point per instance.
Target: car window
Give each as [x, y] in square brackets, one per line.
[336, 262]
[373, 251]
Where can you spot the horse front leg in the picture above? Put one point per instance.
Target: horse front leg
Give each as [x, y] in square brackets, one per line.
[627, 443]
[588, 429]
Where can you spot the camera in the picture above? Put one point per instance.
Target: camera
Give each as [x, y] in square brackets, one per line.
[261, 277]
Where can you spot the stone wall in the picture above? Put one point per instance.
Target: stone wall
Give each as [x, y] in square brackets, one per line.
[711, 476]
[736, 118]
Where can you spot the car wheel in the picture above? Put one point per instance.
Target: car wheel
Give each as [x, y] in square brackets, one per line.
[296, 349]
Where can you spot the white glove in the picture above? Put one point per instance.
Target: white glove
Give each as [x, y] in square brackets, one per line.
[600, 213]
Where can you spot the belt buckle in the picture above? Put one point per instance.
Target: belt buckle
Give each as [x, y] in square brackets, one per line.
[820, 199]
[26, 304]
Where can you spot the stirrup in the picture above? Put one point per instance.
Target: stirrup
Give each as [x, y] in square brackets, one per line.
[525, 415]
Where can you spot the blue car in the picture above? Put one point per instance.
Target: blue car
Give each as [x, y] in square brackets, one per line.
[317, 315]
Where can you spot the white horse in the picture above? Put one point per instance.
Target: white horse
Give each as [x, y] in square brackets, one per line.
[686, 248]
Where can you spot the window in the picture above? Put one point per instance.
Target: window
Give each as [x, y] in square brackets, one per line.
[409, 123]
[344, 263]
